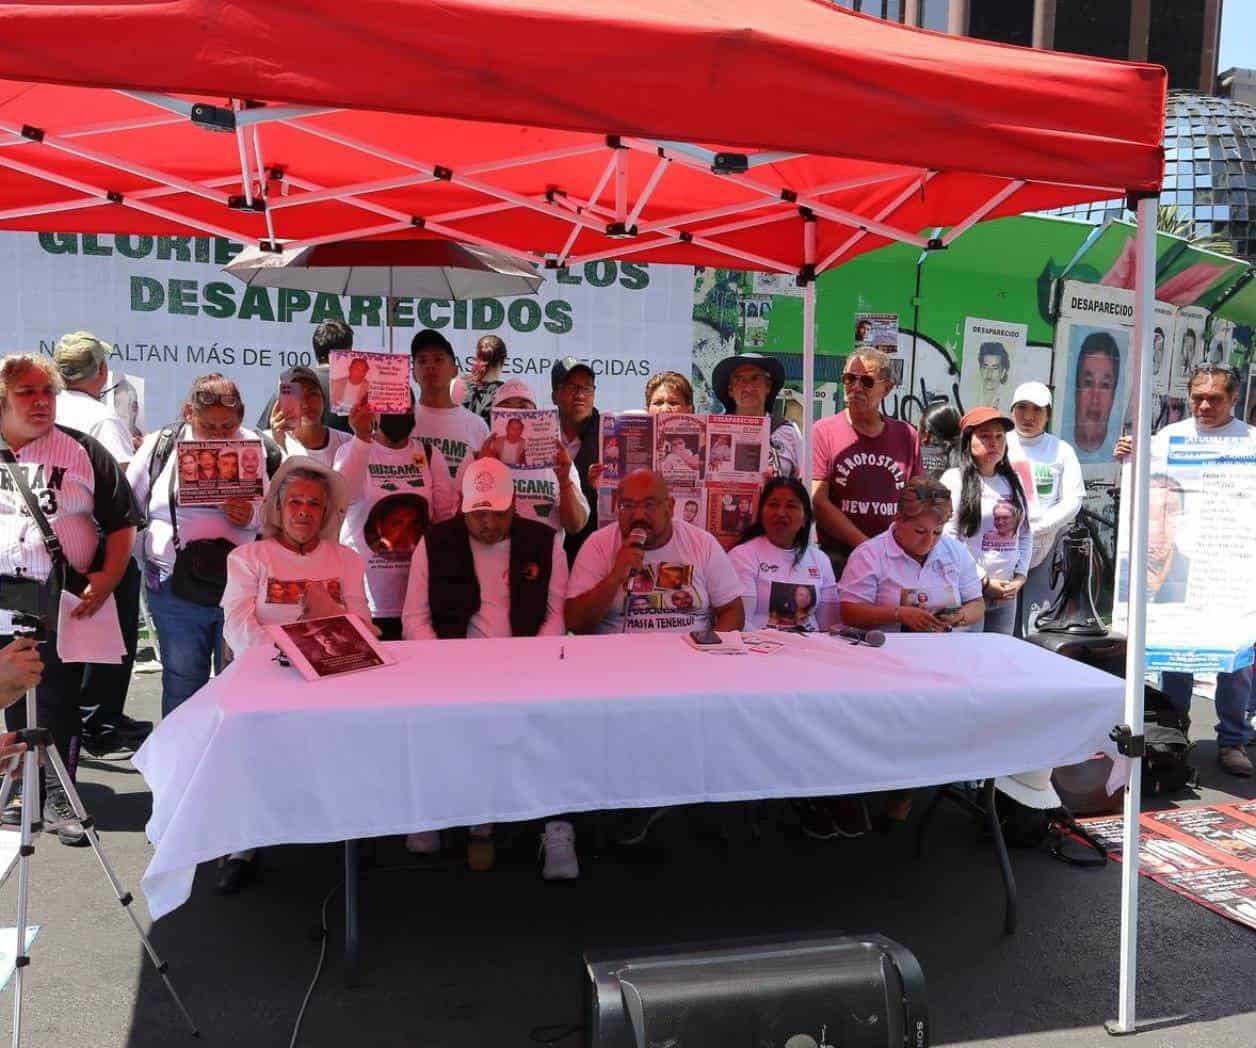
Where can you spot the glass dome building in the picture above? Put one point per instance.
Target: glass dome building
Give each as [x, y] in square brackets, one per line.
[1209, 173]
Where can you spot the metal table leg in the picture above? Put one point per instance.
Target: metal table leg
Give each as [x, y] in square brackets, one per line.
[353, 944]
[1005, 865]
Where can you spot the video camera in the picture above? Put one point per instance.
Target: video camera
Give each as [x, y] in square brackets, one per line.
[29, 602]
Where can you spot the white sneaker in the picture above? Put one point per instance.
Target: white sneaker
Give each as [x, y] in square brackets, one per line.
[425, 843]
[558, 846]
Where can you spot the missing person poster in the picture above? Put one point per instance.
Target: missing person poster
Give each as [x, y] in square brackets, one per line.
[1188, 348]
[680, 448]
[1201, 555]
[731, 509]
[1092, 369]
[328, 647]
[690, 505]
[383, 378]
[877, 330]
[995, 359]
[626, 445]
[1162, 336]
[529, 438]
[737, 448]
[212, 472]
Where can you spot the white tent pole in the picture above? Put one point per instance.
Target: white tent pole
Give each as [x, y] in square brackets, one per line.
[1135, 657]
[808, 348]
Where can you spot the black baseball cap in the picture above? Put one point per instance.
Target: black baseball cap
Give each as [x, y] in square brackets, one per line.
[563, 368]
[430, 339]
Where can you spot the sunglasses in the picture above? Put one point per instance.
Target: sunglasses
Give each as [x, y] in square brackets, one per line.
[205, 399]
[867, 381]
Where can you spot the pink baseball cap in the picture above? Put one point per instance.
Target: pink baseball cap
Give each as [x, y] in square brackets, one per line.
[487, 485]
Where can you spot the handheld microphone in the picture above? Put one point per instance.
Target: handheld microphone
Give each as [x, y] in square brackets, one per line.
[871, 638]
[637, 537]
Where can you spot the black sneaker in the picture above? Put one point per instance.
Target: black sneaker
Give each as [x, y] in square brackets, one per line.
[815, 821]
[104, 742]
[633, 826]
[57, 810]
[131, 729]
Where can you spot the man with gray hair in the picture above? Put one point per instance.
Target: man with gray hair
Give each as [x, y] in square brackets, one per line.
[83, 362]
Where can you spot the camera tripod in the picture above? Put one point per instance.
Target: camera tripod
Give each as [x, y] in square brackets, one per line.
[39, 740]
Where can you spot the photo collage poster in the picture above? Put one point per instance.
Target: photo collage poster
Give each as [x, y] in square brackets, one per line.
[713, 465]
[1201, 555]
[212, 472]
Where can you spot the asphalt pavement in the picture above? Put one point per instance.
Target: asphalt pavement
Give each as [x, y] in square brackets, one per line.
[455, 959]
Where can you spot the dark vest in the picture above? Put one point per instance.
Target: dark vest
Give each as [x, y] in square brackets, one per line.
[453, 591]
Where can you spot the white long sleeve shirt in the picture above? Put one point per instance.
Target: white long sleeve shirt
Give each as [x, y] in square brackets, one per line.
[266, 583]
[1058, 483]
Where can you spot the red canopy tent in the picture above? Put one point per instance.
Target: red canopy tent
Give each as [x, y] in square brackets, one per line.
[786, 136]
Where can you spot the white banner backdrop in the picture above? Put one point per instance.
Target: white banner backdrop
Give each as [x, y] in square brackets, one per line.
[172, 314]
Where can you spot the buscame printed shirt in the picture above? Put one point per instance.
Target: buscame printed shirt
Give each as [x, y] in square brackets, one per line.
[81, 491]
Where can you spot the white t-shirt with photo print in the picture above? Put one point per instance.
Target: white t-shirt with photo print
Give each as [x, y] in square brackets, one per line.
[771, 580]
[676, 588]
[1001, 548]
[266, 584]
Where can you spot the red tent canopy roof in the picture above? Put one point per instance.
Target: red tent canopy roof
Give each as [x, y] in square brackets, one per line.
[489, 121]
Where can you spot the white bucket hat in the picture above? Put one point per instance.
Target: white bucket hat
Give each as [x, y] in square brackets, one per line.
[1031, 788]
[337, 498]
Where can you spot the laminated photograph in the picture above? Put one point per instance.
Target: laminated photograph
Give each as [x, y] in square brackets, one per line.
[626, 444]
[680, 448]
[737, 448]
[290, 401]
[384, 378]
[329, 647]
[690, 505]
[730, 510]
[529, 439]
[878, 330]
[212, 472]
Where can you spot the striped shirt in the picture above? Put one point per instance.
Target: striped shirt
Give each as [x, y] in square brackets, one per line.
[80, 489]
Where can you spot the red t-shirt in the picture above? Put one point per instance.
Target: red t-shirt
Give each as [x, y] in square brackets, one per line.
[865, 474]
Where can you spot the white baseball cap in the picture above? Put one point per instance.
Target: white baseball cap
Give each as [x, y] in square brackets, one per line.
[514, 388]
[1035, 393]
[487, 485]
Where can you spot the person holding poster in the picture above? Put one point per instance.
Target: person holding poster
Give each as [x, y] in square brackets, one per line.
[860, 459]
[787, 583]
[305, 433]
[184, 578]
[297, 571]
[748, 384]
[573, 391]
[990, 513]
[1058, 486]
[549, 495]
[330, 336]
[396, 487]
[490, 572]
[1212, 394]
[457, 432]
[648, 571]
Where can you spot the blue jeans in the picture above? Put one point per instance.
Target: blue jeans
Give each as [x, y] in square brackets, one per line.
[190, 639]
[1235, 701]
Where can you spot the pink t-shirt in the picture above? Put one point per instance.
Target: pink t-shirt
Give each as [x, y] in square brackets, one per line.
[865, 474]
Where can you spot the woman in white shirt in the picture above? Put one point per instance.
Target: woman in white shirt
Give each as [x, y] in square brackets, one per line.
[306, 434]
[787, 582]
[991, 513]
[296, 571]
[1059, 491]
[185, 605]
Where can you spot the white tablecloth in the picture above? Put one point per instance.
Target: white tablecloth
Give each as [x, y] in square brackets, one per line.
[465, 732]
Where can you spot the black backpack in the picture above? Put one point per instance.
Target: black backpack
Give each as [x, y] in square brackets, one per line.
[1167, 731]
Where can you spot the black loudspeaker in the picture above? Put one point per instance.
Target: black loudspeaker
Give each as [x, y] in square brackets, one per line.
[821, 992]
